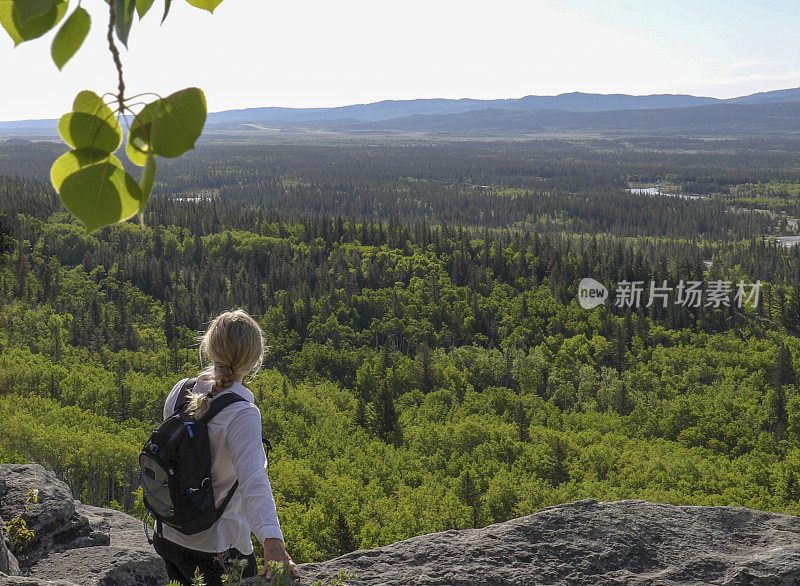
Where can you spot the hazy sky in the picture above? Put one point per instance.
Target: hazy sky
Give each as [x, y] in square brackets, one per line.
[336, 52]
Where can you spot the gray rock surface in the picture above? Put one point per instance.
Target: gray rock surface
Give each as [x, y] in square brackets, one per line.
[74, 543]
[23, 581]
[8, 563]
[52, 519]
[589, 542]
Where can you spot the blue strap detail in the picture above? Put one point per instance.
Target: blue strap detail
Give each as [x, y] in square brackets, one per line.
[143, 473]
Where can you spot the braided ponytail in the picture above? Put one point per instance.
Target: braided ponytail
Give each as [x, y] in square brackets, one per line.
[234, 344]
[223, 376]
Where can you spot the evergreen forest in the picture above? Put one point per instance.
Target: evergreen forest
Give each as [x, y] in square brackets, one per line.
[429, 365]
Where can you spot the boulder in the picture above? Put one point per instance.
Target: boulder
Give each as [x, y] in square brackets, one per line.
[74, 543]
[628, 542]
[53, 519]
[102, 566]
[8, 563]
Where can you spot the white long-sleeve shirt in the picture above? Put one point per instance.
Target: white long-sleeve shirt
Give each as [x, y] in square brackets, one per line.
[236, 452]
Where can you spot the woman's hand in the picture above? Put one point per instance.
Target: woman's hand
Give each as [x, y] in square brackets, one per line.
[275, 550]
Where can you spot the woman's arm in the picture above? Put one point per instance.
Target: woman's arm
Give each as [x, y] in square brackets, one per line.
[249, 461]
[258, 504]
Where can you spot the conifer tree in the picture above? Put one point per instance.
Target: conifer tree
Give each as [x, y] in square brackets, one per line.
[385, 414]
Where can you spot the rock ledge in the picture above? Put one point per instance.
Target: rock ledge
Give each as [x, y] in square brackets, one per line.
[74, 544]
[628, 542]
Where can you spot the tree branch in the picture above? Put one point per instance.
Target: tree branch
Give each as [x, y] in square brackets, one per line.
[112, 17]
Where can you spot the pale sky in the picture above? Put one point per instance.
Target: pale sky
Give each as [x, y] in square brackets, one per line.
[305, 53]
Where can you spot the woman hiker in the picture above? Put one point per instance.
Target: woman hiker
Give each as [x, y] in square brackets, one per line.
[234, 347]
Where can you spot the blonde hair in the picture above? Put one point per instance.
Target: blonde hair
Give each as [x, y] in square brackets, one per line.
[233, 344]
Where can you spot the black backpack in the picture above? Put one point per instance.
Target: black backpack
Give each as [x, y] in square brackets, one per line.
[176, 468]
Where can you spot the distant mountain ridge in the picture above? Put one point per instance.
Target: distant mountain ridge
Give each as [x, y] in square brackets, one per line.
[724, 119]
[763, 113]
[567, 102]
[388, 109]
[789, 95]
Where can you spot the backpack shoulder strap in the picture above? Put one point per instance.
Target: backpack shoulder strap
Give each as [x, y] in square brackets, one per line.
[183, 399]
[216, 406]
[219, 403]
[228, 497]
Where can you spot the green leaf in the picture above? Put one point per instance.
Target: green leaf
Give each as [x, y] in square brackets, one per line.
[135, 155]
[123, 19]
[89, 102]
[34, 8]
[30, 19]
[143, 7]
[168, 127]
[95, 188]
[80, 130]
[71, 36]
[167, 4]
[178, 123]
[138, 146]
[127, 8]
[147, 180]
[91, 124]
[209, 5]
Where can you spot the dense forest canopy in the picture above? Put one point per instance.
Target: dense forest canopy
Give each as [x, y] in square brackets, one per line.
[544, 186]
[429, 367]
